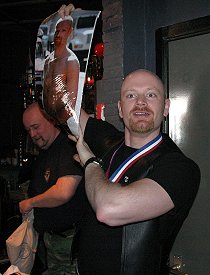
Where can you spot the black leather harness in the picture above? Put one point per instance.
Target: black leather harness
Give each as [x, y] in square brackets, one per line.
[141, 248]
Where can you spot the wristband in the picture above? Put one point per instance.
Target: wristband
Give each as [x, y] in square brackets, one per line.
[94, 160]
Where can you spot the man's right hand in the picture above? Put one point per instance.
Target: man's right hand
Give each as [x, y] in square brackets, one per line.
[25, 206]
[84, 152]
[66, 10]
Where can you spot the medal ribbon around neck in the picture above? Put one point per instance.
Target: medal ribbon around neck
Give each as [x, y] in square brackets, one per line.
[140, 153]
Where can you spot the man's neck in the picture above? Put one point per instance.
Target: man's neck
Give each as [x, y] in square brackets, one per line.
[56, 133]
[60, 52]
[137, 140]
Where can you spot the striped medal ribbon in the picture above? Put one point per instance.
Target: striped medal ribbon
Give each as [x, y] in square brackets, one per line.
[140, 153]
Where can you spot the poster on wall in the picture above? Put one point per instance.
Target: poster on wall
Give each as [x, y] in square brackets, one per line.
[61, 58]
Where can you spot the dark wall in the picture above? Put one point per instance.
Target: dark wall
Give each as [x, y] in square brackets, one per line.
[13, 55]
[143, 18]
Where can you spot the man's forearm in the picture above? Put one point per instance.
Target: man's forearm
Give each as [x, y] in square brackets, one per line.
[48, 199]
[55, 196]
[43, 200]
[96, 185]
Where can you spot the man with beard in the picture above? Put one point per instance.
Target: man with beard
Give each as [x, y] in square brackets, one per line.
[61, 75]
[139, 185]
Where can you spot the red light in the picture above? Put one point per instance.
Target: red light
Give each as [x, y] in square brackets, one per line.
[99, 49]
[90, 80]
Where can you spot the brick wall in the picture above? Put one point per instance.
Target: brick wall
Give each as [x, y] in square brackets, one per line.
[108, 89]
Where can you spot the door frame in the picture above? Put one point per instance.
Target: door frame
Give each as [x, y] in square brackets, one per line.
[170, 33]
[178, 31]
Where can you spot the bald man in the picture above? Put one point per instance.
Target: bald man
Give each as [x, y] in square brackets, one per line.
[52, 189]
[61, 74]
[139, 184]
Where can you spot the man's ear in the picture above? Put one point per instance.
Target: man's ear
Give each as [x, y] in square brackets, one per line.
[167, 106]
[120, 109]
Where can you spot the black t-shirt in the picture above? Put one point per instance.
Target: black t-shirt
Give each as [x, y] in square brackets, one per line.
[100, 245]
[55, 162]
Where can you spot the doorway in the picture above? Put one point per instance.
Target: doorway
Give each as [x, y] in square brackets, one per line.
[183, 63]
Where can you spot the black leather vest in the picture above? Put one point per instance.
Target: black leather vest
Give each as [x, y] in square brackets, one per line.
[141, 248]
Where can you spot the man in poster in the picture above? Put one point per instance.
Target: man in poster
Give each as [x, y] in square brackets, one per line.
[61, 75]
